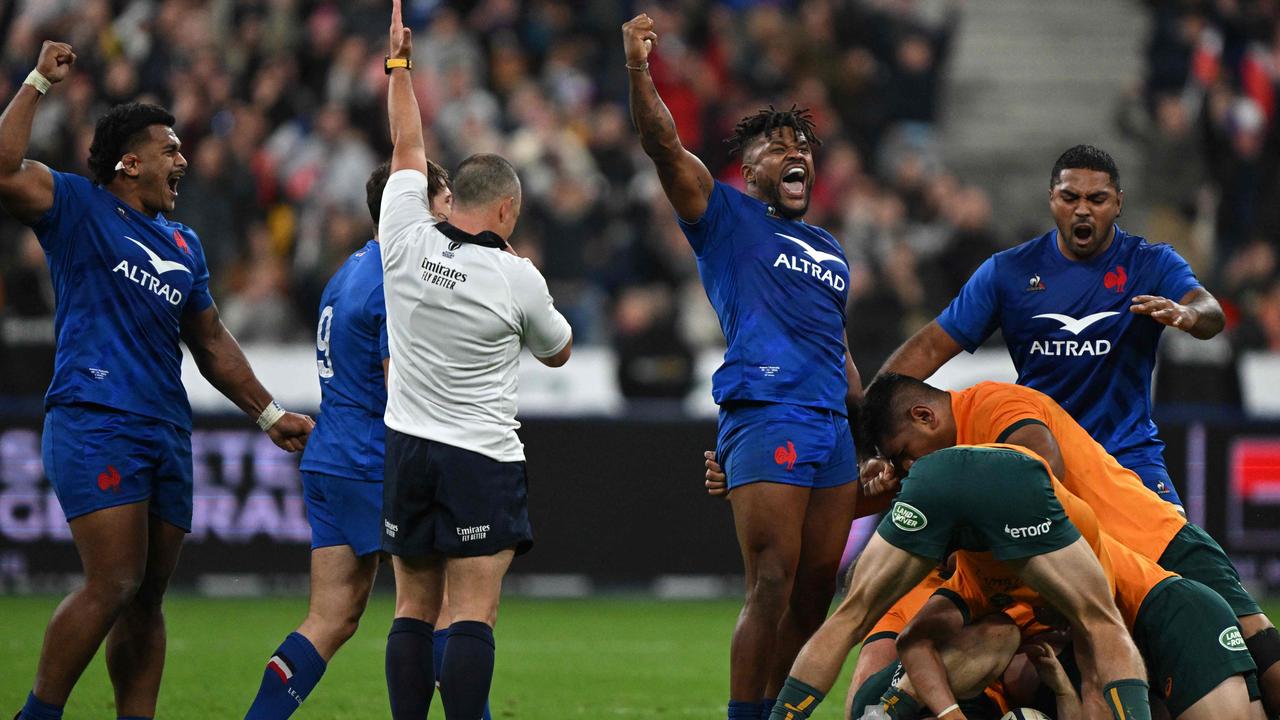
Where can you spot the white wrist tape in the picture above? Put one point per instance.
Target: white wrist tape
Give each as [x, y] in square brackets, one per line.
[38, 81]
[947, 710]
[270, 415]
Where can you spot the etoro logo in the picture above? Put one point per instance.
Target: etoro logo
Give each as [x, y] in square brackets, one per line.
[1231, 639]
[908, 518]
[1029, 531]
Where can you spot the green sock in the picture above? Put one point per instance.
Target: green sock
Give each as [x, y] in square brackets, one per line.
[899, 705]
[1128, 700]
[796, 701]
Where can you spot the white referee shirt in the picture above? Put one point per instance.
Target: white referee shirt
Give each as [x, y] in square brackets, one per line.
[457, 315]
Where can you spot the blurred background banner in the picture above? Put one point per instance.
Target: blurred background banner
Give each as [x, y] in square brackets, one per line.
[616, 504]
[940, 121]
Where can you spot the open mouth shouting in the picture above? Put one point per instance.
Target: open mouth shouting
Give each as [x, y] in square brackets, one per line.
[1082, 232]
[793, 182]
[172, 182]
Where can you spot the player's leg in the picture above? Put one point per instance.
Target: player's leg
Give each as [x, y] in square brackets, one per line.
[876, 655]
[769, 520]
[409, 486]
[112, 544]
[136, 643]
[440, 643]
[1263, 640]
[474, 586]
[1194, 650]
[1194, 554]
[1228, 701]
[1073, 582]
[826, 528]
[883, 574]
[410, 664]
[340, 585]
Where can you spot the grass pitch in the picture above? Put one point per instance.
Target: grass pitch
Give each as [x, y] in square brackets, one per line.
[593, 658]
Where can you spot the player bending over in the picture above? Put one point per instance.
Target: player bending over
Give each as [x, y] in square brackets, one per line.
[779, 287]
[946, 499]
[117, 430]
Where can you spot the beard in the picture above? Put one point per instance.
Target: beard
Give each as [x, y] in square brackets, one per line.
[773, 195]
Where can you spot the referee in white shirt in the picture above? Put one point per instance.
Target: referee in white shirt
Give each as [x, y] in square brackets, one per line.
[460, 305]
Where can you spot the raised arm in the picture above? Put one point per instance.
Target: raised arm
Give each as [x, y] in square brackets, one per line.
[686, 181]
[223, 364]
[26, 186]
[409, 151]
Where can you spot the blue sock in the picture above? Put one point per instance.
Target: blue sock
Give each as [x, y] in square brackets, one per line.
[35, 709]
[441, 640]
[291, 674]
[766, 707]
[409, 668]
[741, 710]
[468, 669]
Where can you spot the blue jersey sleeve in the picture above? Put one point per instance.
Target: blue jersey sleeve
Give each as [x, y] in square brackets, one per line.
[975, 313]
[375, 309]
[703, 232]
[70, 201]
[200, 299]
[1176, 277]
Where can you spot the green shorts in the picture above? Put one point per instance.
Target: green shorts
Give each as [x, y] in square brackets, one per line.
[1191, 642]
[874, 687]
[981, 499]
[1194, 554]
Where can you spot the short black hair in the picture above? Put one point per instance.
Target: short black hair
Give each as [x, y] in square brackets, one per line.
[883, 404]
[437, 181]
[1085, 157]
[484, 178]
[764, 122]
[117, 132]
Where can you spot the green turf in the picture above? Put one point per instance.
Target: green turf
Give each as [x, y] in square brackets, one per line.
[598, 658]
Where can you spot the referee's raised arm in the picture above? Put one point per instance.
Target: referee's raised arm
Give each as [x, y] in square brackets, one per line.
[409, 151]
[26, 186]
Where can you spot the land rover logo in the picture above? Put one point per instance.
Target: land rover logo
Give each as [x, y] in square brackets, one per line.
[1231, 639]
[908, 518]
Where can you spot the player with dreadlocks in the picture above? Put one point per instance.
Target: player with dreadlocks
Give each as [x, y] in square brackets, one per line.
[779, 287]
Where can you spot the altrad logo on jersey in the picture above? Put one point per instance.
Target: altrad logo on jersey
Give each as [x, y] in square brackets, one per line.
[153, 281]
[1072, 348]
[813, 265]
[441, 274]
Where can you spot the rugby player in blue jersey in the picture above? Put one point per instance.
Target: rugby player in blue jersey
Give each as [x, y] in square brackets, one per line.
[1081, 309]
[117, 433]
[342, 479]
[779, 287]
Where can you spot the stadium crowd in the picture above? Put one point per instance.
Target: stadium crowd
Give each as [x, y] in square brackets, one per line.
[280, 109]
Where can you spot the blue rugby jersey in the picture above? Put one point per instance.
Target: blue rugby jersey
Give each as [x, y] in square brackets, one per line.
[779, 288]
[349, 439]
[1070, 333]
[122, 281]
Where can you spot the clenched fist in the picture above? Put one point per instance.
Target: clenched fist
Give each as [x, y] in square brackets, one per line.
[55, 61]
[638, 38]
